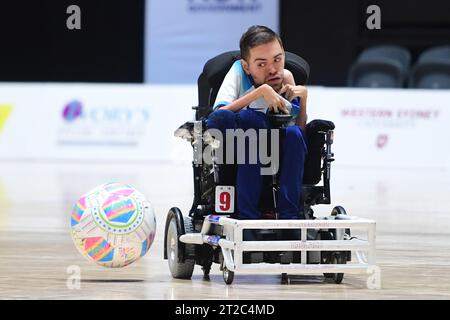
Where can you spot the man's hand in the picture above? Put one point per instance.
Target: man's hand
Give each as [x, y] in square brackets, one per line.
[273, 99]
[295, 91]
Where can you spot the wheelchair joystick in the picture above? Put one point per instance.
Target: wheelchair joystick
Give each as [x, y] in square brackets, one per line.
[279, 120]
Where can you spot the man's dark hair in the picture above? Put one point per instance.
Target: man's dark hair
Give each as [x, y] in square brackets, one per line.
[255, 36]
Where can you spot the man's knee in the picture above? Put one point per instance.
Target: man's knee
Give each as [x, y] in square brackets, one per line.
[295, 136]
[221, 118]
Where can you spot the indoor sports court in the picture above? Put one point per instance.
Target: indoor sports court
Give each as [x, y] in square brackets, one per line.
[37, 250]
[98, 99]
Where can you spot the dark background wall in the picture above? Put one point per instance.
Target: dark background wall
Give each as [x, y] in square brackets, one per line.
[330, 34]
[35, 44]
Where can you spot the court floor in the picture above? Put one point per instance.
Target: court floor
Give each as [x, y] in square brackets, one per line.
[410, 205]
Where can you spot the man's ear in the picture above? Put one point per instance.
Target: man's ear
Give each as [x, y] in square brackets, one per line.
[245, 66]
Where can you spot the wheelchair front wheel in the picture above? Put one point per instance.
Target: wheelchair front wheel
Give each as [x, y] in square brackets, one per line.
[338, 210]
[336, 258]
[179, 269]
[228, 276]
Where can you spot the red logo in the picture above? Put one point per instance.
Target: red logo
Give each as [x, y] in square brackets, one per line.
[382, 140]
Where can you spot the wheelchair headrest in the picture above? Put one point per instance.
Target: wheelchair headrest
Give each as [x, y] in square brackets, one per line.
[216, 69]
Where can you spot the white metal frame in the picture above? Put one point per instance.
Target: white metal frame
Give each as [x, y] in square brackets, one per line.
[232, 244]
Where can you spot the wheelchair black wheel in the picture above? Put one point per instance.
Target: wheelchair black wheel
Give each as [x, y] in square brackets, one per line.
[336, 258]
[179, 269]
[284, 278]
[327, 255]
[228, 276]
[327, 260]
[338, 210]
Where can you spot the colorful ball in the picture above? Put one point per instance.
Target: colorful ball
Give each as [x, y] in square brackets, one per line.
[113, 225]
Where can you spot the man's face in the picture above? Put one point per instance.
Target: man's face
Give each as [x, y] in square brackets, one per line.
[266, 64]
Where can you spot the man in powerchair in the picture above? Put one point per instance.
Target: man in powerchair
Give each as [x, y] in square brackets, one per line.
[256, 85]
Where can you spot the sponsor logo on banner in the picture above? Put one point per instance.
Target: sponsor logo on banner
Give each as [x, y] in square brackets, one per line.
[224, 5]
[382, 140]
[5, 111]
[387, 118]
[109, 125]
[72, 110]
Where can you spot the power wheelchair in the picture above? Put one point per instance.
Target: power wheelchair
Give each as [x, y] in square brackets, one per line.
[211, 234]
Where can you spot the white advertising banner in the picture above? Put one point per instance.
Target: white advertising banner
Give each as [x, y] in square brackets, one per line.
[92, 122]
[374, 127]
[181, 35]
[386, 127]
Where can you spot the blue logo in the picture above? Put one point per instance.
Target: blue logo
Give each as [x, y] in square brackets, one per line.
[72, 110]
[105, 114]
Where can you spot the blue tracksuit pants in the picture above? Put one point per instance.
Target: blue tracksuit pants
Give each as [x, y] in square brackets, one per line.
[249, 179]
